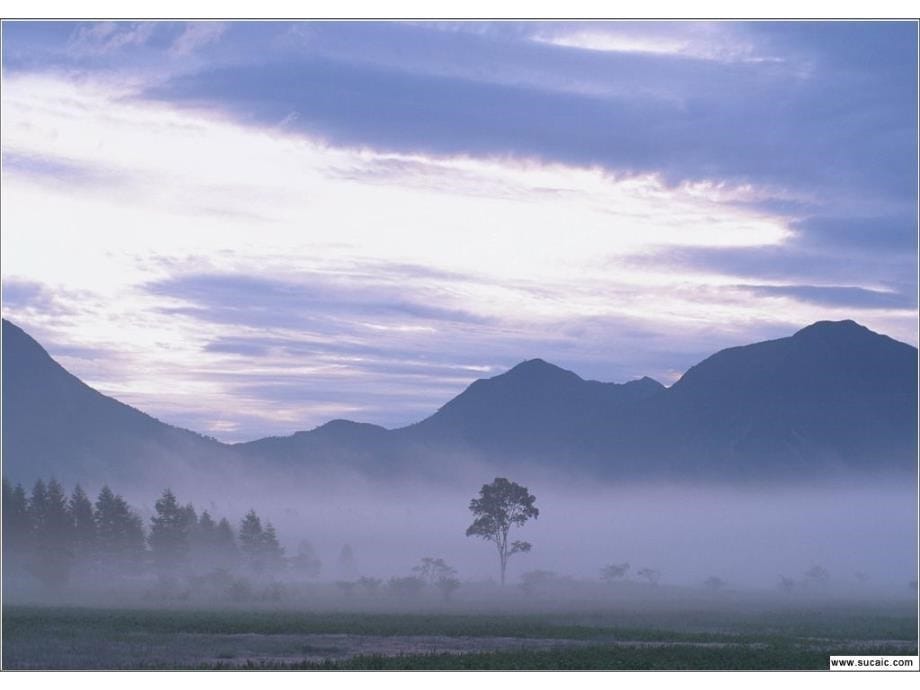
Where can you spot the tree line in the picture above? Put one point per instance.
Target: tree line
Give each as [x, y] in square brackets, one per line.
[55, 536]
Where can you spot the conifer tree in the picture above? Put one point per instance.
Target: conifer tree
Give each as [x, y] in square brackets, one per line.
[251, 536]
[119, 533]
[38, 505]
[225, 543]
[206, 524]
[52, 554]
[169, 533]
[272, 553]
[202, 542]
[83, 523]
[17, 526]
[306, 562]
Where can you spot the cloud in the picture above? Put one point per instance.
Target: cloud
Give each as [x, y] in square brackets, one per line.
[371, 353]
[58, 170]
[841, 130]
[310, 300]
[721, 42]
[794, 263]
[109, 37]
[21, 297]
[892, 233]
[196, 35]
[448, 201]
[838, 296]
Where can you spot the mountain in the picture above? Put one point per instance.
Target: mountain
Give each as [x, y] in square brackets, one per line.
[833, 396]
[535, 409]
[365, 448]
[56, 425]
[833, 399]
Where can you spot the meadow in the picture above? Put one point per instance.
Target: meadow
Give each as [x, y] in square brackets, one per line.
[673, 634]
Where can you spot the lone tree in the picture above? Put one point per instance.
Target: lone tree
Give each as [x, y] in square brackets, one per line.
[500, 505]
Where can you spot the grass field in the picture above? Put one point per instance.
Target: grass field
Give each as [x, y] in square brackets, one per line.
[723, 637]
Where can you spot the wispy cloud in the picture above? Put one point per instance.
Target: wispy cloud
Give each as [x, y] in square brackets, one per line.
[379, 213]
[104, 38]
[196, 35]
[838, 296]
[717, 41]
[23, 296]
[307, 301]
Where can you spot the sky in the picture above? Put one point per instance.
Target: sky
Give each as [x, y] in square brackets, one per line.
[250, 229]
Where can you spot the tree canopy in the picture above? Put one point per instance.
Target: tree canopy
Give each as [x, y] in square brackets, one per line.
[502, 505]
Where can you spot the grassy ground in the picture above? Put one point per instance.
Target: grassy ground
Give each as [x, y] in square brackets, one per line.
[615, 638]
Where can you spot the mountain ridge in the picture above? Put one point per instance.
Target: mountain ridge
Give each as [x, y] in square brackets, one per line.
[832, 396]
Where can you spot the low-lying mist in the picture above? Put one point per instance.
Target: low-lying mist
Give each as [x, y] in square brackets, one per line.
[864, 536]
[857, 539]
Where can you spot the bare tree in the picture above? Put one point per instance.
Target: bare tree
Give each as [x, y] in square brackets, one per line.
[435, 572]
[370, 585]
[431, 569]
[650, 575]
[447, 586]
[614, 571]
[533, 580]
[713, 583]
[817, 576]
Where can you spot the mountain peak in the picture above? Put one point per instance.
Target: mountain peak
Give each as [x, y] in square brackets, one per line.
[533, 365]
[345, 426]
[836, 328]
[834, 395]
[537, 368]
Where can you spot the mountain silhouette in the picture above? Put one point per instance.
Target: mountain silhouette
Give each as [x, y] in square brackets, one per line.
[366, 448]
[535, 407]
[834, 395]
[56, 425]
[834, 398]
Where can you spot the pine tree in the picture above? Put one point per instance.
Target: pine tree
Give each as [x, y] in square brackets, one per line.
[228, 554]
[38, 505]
[83, 523]
[251, 540]
[202, 540]
[169, 532]
[306, 562]
[206, 524]
[346, 563]
[59, 525]
[17, 527]
[135, 541]
[108, 528]
[272, 553]
[119, 533]
[52, 555]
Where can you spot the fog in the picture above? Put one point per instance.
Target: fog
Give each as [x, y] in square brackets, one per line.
[747, 537]
[859, 537]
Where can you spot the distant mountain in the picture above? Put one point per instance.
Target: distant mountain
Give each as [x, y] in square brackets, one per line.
[365, 448]
[835, 398]
[56, 425]
[535, 408]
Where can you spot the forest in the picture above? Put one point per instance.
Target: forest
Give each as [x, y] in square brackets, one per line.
[59, 538]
